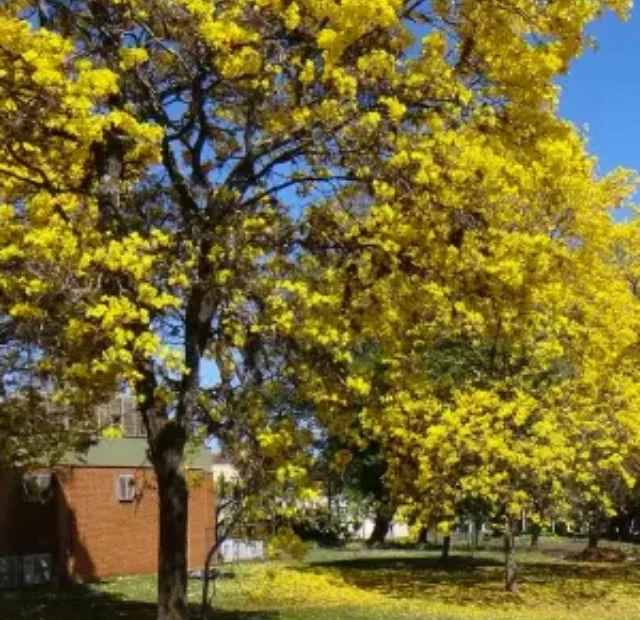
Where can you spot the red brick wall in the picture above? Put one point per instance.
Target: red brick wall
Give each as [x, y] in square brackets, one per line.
[201, 517]
[101, 536]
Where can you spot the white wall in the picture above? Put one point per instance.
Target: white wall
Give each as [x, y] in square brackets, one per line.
[397, 530]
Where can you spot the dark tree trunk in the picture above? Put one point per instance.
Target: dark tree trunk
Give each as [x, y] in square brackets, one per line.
[167, 449]
[593, 533]
[206, 578]
[380, 528]
[477, 530]
[535, 535]
[511, 568]
[446, 548]
[221, 535]
[423, 536]
[173, 505]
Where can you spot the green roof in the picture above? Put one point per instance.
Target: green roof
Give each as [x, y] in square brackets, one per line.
[129, 452]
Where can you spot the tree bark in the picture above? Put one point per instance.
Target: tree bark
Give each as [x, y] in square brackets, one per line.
[446, 548]
[380, 528]
[167, 451]
[221, 536]
[173, 506]
[206, 578]
[535, 535]
[477, 530]
[423, 536]
[511, 568]
[593, 532]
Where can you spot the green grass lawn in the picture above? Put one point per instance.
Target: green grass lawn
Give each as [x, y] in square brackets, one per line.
[365, 585]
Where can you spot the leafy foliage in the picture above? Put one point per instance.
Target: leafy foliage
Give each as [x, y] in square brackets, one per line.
[204, 202]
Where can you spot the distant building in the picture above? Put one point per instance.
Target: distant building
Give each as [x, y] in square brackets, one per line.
[397, 531]
[97, 515]
[223, 469]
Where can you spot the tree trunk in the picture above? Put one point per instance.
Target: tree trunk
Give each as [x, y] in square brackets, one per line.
[511, 568]
[446, 548]
[535, 535]
[423, 536]
[477, 530]
[221, 536]
[593, 532]
[167, 450]
[380, 529]
[206, 579]
[173, 497]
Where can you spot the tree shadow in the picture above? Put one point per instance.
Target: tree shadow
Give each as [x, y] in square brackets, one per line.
[407, 577]
[455, 563]
[79, 602]
[628, 571]
[45, 524]
[74, 562]
[479, 580]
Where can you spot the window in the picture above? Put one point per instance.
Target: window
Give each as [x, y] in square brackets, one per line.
[36, 488]
[121, 413]
[125, 488]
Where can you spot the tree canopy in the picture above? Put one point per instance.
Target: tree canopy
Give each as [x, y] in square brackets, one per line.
[198, 198]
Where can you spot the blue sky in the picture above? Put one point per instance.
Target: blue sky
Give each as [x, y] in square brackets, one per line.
[602, 91]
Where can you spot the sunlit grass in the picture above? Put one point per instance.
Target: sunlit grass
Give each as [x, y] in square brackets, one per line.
[413, 585]
[364, 585]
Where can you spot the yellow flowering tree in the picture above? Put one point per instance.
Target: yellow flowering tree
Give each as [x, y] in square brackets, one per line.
[488, 230]
[155, 162]
[48, 129]
[507, 336]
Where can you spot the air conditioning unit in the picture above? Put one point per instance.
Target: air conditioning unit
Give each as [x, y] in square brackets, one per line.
[125, 487]
[36, 569]
[10, 571]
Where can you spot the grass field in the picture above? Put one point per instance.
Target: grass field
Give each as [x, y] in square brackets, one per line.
[367, 585]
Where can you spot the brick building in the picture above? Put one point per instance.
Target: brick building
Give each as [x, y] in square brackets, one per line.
[97, 515]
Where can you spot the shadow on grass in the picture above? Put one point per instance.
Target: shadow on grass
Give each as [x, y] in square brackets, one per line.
[84, 602]
[479, 580]
[406, 577]
[403, 562]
